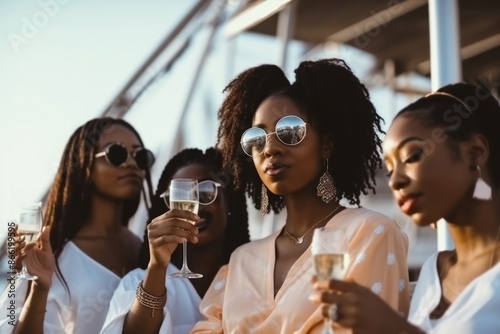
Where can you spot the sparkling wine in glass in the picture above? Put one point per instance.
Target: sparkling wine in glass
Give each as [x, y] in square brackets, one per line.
[184, 196]
[331, 259]
[30, 225]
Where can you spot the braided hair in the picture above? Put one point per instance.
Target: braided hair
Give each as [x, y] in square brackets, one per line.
[68, 203]
[333, 97]
[473, 110]
[237, 231]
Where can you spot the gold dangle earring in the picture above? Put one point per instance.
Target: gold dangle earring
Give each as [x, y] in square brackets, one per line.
[264, 201]
[326, 187]
[482, 190]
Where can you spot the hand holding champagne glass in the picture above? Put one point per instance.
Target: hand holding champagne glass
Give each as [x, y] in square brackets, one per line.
[331, 259]
[183, 195]
[30, 225]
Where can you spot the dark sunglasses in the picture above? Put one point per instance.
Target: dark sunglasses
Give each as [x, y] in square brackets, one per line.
[207, 193]
[290, 130]
[117, 155]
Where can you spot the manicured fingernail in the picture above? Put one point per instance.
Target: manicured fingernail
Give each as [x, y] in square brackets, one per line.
[195, 239]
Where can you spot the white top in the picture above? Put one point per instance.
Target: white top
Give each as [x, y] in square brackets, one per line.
[91, 286]
[180, 312]
[475, 311]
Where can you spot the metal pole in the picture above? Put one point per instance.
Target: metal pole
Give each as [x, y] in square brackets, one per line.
[285, 31]
[445, 68]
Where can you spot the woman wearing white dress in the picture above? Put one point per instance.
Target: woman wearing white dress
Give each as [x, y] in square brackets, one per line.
[443, 157]
[96, 190]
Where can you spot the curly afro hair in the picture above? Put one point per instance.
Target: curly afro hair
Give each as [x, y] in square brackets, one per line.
[333, 97]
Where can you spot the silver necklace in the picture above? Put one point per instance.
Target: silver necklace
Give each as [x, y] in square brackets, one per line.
[300, 239]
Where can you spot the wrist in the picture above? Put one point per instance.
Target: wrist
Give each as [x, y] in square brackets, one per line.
[35, 310]
[41, 288]
[155, 266]
[152, 302]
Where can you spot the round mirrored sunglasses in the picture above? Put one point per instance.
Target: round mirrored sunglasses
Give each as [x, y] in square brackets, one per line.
[207, 193]
[290, 130]
[117, 155]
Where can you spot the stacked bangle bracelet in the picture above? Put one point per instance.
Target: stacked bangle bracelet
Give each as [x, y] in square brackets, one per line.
[150, 301]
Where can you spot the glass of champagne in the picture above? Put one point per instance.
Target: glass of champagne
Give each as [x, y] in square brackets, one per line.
[30, 225]
[331, 259]
[184, 196]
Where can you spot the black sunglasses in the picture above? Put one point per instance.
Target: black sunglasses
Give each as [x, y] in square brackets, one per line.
[117, 155]
[290, 130]
[207, 193]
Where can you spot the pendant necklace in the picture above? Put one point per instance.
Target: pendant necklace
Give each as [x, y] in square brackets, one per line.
[300, 239]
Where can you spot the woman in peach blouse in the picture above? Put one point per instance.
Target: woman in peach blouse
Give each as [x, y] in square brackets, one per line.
[304, 147]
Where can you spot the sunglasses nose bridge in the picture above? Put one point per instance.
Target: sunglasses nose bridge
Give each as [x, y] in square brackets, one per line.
[268, 143]
[269, 135]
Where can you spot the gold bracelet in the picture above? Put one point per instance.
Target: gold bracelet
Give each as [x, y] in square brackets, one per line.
[150, 301]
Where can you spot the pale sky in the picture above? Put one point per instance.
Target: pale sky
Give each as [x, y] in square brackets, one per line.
[61, 63]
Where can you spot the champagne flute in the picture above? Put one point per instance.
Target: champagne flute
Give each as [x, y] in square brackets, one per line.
[331, 259]
[184, 196]
[30, 225]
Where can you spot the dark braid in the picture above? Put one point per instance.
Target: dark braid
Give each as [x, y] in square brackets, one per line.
[481, 116]
[335, 101]
[68, 202]
[236, 233]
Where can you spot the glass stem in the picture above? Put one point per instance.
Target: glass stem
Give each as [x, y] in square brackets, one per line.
[327, 329]
[24, 270]
[184, 256]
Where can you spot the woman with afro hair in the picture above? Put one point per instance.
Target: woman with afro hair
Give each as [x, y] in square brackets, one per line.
[302, 147]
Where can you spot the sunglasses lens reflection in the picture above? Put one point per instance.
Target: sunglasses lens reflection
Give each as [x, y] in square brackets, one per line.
[290, 130]
[253, 141]
[207, 192]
